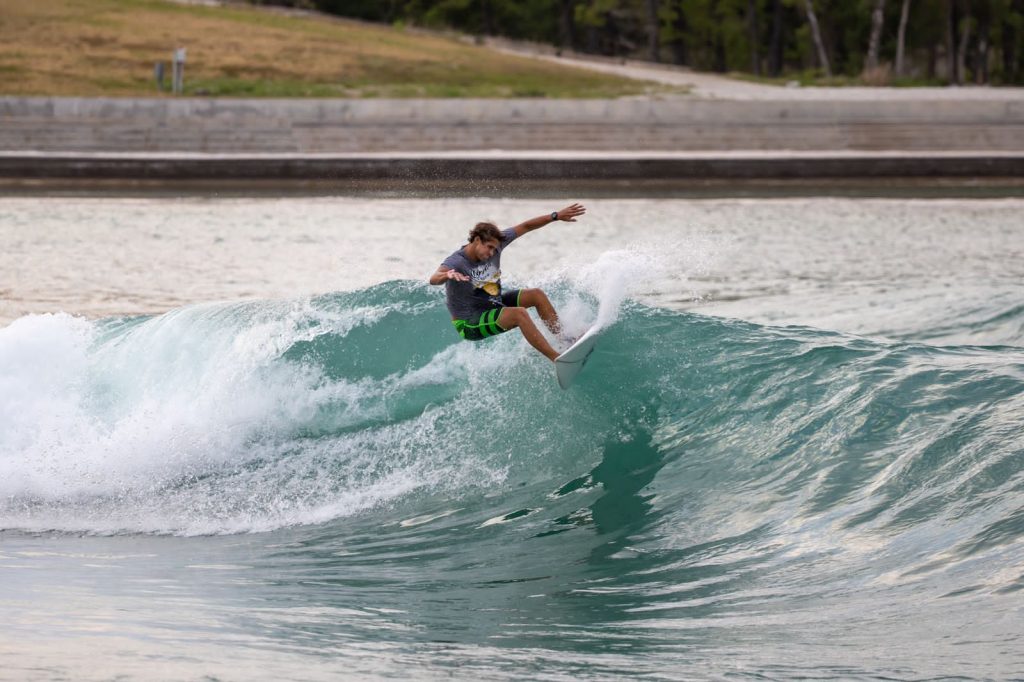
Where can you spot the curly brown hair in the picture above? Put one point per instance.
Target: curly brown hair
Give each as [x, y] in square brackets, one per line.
[485, 232]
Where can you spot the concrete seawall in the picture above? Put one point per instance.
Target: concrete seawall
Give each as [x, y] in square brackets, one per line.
[549, 166]
[633, 138]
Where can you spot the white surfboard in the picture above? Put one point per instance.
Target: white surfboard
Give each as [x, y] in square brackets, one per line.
[569, 363]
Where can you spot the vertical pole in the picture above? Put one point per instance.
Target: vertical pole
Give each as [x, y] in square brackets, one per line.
[179, 70]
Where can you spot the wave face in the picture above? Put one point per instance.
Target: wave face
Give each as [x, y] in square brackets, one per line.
[257, 415]
[757, 465]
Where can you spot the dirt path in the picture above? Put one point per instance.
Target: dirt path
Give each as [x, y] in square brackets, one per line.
[713, 86]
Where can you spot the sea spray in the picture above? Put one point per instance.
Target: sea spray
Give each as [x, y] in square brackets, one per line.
[43, 360]
[639, 268]
[242, 416]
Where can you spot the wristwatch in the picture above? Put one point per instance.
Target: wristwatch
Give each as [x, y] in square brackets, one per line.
[554, 215]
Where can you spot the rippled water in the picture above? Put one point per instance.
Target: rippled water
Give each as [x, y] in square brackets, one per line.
[798, 451]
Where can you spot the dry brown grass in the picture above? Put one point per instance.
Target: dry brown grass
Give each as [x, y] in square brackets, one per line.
[109, 47]
[880, 76]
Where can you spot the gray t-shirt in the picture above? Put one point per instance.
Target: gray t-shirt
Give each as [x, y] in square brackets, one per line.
[467, 300]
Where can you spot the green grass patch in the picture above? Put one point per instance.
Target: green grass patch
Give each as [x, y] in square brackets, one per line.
[814, 78]
[240, 87]
[109, 48]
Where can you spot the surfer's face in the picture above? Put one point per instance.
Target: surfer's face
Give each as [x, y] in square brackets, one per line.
[482, 249]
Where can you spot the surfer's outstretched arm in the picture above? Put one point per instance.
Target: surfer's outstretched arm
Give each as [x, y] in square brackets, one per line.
[567, 214]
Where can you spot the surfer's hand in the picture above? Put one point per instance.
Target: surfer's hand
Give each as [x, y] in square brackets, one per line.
[569, 213]
[456, 275]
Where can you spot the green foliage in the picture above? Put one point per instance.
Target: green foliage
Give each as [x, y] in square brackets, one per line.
[731, 35]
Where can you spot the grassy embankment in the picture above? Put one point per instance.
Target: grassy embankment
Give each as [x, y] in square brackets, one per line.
[109, 48]
[814, 78]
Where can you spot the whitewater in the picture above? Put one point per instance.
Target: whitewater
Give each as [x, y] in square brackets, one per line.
[239, 439]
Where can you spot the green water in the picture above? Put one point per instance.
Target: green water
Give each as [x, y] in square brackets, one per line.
[792, 455]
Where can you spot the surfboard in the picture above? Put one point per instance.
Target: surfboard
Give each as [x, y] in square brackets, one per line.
[569, 363]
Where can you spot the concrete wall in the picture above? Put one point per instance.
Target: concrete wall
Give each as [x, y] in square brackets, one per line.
[509, 168]
[347, 126]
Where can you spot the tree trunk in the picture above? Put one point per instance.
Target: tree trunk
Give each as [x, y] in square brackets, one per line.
[877, 20]
[566, 27]
[679, 28]
[901, 36]
[593, 40]
[1009, 52]
[981, 72]
[755, 52]
[775, 51]
[1018, 69]
[653, 26]
[961, 53]
[981, 55]
[816, 34]
[984, 40]
[717, 44]
[951, 74]
[486, 18]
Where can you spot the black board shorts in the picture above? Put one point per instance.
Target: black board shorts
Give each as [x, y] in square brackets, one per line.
[487, 325]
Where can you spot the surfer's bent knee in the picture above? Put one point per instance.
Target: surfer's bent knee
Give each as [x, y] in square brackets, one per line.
[512, 317]
[532, 297]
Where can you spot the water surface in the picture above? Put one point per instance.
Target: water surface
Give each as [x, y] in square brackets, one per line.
[252, 446]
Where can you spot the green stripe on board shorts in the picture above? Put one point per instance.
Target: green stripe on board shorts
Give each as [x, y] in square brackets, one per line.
[486, 326]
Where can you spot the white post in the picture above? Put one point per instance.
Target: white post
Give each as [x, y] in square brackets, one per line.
[179, 70]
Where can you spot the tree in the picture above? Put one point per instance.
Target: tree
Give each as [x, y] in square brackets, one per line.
[981, 52]
[486, 18]
[566, 24]
[816, 34]
[775, 48]
[976, 40]
[901, 36]
[755, 55]
[675, 31]
[961, 52]
[653, 28]
[951, 72]
[877, 19]
[1011, 31]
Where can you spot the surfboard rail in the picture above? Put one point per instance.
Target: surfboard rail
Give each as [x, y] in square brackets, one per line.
[571, 361]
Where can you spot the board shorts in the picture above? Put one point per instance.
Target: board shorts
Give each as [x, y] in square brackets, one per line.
[487, 325]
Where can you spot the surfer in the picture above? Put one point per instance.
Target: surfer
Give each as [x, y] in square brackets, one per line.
[472, 279]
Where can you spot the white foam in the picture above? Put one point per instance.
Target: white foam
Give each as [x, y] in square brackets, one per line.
[193, 423]
[637, 270]
[43, 359]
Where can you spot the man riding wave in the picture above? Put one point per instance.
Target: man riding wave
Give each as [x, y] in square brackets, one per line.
[472, 278]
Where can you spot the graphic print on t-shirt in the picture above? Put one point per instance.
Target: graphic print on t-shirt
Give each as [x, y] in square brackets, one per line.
[487, 276]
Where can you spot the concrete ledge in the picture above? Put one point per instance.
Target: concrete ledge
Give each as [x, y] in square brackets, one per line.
[626, 111]
[518, 166]
[301, 127]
